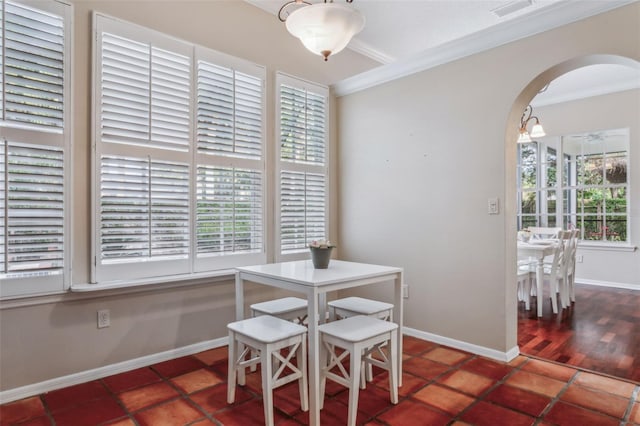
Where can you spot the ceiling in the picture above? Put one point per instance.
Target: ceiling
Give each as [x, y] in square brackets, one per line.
[400, 30]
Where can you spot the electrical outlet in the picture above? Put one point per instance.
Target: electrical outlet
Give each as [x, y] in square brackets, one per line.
[104, 318]
[405, 291]
[579, 258]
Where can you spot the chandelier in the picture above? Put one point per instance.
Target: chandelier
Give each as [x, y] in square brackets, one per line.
[323, 28]
[536, 131]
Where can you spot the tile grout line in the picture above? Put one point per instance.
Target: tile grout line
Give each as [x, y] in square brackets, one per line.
[632, 402]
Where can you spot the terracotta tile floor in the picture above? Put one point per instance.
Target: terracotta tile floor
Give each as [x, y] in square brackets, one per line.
[442, 386]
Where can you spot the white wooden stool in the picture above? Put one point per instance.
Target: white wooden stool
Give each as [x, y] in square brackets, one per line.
[359, 336]
[267, 336]
[288, 308]
[350, 306]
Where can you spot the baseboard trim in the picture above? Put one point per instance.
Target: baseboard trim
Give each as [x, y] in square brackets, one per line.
[464, 346]
[108, 370]
[625, 286]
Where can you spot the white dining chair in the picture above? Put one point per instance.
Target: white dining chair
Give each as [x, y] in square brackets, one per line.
[571, 266]
[554, 273]
[542, 232]
[524, 282]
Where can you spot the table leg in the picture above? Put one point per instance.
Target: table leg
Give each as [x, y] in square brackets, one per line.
[239, 297]
[314, 359]
[397, 317]
[239, 316]
[540, 283]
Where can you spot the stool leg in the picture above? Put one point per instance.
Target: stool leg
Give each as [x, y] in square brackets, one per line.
[355, 361]
[267, 384]
[302, 382]
[393, 370]
[322, 362]
[231, 375]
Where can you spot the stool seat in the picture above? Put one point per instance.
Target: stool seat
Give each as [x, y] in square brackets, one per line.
[357, 328]
[360, 306]
[280, 307]
[271, 342]
[267, 329]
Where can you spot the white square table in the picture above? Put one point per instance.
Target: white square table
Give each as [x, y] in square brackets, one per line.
[300, 276]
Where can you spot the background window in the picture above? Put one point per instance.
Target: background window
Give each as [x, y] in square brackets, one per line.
[591, 179]
[302, 164]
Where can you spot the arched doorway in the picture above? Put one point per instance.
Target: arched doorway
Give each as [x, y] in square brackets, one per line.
[523, 99]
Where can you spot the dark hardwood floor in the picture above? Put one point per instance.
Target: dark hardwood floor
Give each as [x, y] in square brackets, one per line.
[600, 332]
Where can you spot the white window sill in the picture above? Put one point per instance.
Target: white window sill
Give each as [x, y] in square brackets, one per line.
[602, 246]
[157, 282]
[88, 291]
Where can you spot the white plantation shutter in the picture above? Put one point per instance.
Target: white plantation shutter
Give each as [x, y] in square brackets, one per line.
[229, 212]
[302, 209]
[145, 94]
[34, 169]
[33, 66]
[230, 164]
[33, 197]
[302, 125]
[145, 209]
[143, 135]
[302, 180]
[229, 112]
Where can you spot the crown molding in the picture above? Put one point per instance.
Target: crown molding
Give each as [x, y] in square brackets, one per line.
[541, 20]
[367, 50]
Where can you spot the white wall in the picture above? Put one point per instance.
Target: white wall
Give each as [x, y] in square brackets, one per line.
[420, 156]
[613, 111]
[44, 338]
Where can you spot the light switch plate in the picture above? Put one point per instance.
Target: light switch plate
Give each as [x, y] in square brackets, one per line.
[493, 206]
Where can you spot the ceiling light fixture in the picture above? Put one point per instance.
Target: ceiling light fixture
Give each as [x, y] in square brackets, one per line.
[536, 132]
[324, 28]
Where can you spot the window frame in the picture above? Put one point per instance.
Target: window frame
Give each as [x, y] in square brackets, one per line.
[570, 215]
[298, 83]
[194, 265]
[33, 284]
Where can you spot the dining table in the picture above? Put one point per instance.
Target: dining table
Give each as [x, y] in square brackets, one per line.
[538, 250]
[301, 277]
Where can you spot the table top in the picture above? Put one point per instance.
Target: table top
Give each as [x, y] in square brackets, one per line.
[303, 272]
[539, 250]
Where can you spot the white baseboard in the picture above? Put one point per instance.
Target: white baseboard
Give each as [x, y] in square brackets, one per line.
[464, 346]
[108, 370]
[625, 286]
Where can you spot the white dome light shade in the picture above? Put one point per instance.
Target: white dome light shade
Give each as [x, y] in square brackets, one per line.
[325, 28]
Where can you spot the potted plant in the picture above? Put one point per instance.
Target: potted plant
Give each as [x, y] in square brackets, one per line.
[320, 253]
